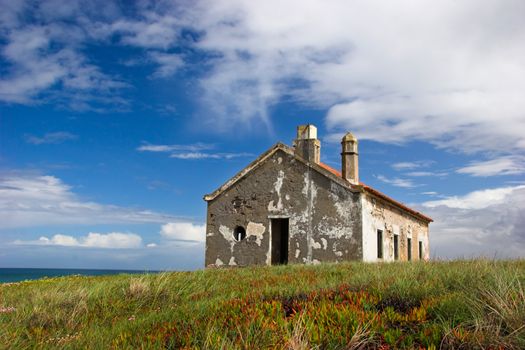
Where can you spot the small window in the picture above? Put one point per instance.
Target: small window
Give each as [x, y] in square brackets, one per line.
[409, 249]
[396, 247]
[239, 233]
[379, 244]
[420, 248]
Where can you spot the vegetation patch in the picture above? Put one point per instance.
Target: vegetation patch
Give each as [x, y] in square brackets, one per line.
[459, 304]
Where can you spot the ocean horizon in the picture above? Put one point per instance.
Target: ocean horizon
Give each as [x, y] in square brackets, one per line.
[15, 274]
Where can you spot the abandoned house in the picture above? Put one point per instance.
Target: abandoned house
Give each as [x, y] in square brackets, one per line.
[287, 207]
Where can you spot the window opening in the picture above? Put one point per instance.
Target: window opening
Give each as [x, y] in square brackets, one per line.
[239, 233]
[396, 247]
[379, 244]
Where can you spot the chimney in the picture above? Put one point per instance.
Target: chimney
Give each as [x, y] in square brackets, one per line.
[349, 157]
[307, 146]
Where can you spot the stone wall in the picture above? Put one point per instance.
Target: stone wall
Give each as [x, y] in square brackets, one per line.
[324, 216]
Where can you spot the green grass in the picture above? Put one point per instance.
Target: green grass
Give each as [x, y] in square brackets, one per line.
[460, 304]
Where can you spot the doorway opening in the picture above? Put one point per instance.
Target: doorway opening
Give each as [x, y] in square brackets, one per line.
[280, 233]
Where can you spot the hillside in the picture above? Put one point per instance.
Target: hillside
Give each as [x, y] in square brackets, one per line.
[332, 306]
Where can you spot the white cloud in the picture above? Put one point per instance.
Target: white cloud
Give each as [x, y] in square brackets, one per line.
[113, 240]
[168, 64]
[426, 173]
[183, 231]
[397, 182]
[412, 165]
[43, 58]
[195, 147]
[50, 138]
[200, 155]
[191, 151]
[28, 200]
[155, 28]
[480, 199]
[430, 193]
[391, 73]
[36, 65]
[443, 72]
[500, 166]
[486, 222]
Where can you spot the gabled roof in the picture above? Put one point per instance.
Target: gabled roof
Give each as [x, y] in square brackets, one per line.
[259, 160]
[322, 168]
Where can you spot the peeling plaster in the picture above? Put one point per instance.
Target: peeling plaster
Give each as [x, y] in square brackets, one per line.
[232, 261]
[257, 230]
[278, 184]
[315, 245]
[325, 243]
[227, 233]
[218, 262]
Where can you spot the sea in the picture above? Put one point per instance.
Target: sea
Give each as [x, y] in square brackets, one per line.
[23, 274]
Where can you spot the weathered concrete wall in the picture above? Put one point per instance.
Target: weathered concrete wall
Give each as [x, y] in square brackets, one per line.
[324, 217]
[380, 215]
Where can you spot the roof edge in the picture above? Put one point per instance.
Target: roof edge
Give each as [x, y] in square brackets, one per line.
[320, 168]
[247, 169]
[392, 201]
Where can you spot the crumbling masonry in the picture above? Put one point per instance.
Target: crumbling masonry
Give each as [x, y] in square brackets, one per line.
[288, 207]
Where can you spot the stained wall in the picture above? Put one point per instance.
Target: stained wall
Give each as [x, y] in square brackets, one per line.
[324, 216]
[381, 215]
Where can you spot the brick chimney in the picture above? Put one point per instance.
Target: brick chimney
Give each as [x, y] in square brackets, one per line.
[307, 146]
[349, 155]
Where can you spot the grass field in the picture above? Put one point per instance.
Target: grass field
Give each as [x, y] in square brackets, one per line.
[460, 304]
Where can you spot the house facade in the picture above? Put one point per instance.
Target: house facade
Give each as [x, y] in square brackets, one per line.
[289, 207]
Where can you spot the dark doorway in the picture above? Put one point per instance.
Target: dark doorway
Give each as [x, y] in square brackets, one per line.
[409, 249]
[396, 247]
[279, 241]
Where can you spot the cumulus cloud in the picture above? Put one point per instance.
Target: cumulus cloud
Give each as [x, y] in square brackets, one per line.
[499, 166]
[28, 200]
[113, 240]
[477, 199]
[35, 65]
[42, 59]
[391, 73]
[448, 73]
[50, 138]
[183, 231]
[486, 222]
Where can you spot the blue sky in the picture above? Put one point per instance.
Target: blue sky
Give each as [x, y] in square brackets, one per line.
[117, 117]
